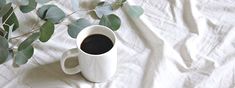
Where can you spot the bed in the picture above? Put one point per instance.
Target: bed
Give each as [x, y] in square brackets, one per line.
[174, 44]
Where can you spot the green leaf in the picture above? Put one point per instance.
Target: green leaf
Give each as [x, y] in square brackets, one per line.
[3, 49]
[103, 8]
[43, 10]
[55, 14]
[101, 3]
[22, 56]
[75, 27]
[117, 4]
[5, 9]
[27, 42]
[46, 31]
[111, 21]
[135, 11]
[12, 19]
[122, 1]
[93, 15]
[2, 3]
[51, 12]
[27, 8]
[2, 32]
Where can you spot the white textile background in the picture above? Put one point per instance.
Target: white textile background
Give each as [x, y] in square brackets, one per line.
[174, 44]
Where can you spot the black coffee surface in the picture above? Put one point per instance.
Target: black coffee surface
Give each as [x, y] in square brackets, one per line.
[96, 44]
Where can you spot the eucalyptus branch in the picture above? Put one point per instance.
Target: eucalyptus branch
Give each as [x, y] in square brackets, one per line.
[25, 34]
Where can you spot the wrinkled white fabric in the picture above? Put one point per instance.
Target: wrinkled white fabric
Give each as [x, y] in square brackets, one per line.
[174, 44]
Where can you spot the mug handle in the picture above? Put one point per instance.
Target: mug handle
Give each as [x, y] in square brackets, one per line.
[70, 53]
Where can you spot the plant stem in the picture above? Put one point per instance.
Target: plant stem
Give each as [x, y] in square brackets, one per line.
[77, 11]
[33, 30]
[22, 35]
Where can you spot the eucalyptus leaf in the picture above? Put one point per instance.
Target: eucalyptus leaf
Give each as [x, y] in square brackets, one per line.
[27, 42]
[12, 19]
[55, 14]
[75, 27]
[3, 49]
[103, 8]
[121, 1]
[2, 32]
[27, 8]
[111, 21]
[46, 31]
[2, 3]
[135, 11]
[101, 3]
[51, 12]
[93, 15]
[43, 10]
[117, 4]
[21, 57]
[5, 9]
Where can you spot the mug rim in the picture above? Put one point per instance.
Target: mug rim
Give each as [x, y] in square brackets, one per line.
[90, 27]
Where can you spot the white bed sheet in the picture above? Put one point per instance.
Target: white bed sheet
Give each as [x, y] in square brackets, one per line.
[175, 44]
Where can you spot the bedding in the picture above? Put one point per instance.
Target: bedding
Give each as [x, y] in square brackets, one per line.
[174, 44]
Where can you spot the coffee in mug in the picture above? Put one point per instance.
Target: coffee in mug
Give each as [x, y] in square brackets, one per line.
[96, 44]
[96, 52]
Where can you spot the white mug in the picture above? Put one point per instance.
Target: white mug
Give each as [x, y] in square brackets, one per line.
[95, 68]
